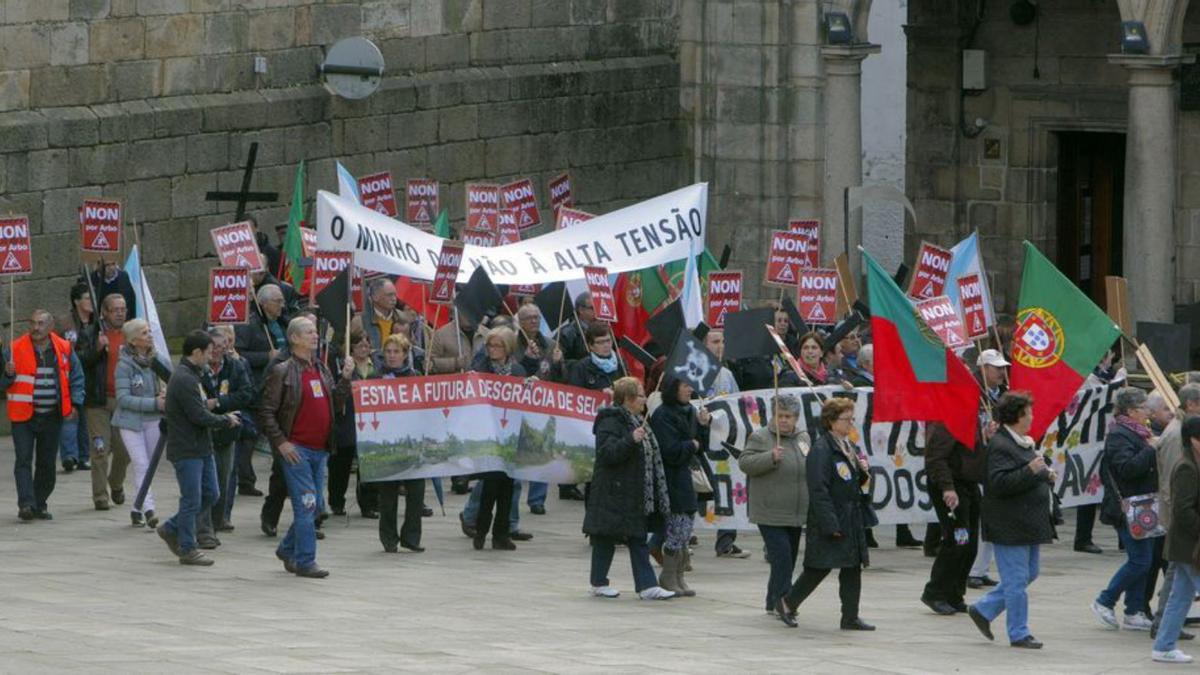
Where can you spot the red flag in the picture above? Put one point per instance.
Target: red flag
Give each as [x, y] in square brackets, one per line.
[414, 295]
[631, 317]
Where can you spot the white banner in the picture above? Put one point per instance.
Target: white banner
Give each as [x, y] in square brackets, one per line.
[896, 451]
[654, 232]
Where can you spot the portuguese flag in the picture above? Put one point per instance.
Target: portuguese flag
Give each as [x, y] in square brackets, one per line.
[916, 376]
[1060, 337]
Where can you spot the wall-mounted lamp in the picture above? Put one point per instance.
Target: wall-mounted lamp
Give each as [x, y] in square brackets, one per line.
[838, 29]
[1133, 38]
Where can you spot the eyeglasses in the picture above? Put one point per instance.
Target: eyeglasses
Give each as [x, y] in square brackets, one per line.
[844, 418]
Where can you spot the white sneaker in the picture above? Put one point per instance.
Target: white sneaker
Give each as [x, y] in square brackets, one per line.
[656, 593]
[1106, 616]
[604, 592]
[1138, 621]
[1173, 656]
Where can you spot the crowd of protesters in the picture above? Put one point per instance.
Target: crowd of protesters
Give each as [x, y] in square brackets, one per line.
[92, 392]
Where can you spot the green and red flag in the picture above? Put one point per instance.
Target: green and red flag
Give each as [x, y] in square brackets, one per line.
[293, 243]
[916, 376]
[1060, 337]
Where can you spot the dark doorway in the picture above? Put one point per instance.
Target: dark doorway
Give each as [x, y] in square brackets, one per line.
[1091, 189]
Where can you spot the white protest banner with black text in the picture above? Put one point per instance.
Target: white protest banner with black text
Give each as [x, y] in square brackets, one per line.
[654, 232]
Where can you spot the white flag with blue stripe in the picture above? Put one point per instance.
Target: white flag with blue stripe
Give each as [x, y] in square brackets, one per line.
[967, 260]
[347, 185]
[145, 304]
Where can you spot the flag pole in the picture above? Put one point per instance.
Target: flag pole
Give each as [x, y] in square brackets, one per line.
[562, 309]
[346, 336]
[775, 401]
[437, 315]
[520, 328]
[1000, 348]
[458, 334]
[616, 350]
[12, 311]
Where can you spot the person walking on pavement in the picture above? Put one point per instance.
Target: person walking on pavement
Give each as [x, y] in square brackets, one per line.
[141, 400]
[99, 348]
[189, 448]
[44, 384]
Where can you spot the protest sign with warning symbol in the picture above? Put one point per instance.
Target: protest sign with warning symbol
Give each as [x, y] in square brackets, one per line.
[229, 295]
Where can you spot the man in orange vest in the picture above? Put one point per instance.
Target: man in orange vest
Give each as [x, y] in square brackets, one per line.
[44, 381]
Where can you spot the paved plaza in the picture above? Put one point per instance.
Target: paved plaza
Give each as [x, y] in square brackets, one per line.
[88, 593]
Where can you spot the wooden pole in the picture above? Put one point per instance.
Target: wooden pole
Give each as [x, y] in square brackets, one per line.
[264, 320]
[999, 348]
[617, 350]
[346, 337]
[12, 312]
[437, 315]
[562, 309]
[775, 401]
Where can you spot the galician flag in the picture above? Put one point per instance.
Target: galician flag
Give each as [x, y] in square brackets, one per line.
[916, 376]
[1060, 337]
[145, 305]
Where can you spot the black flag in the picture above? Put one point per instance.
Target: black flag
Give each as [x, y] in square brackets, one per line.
[551, 301]
[666, 325]
[480, 299]
[333, 299]
[746, 334]
[635, 350]
[794, 317]
[692, 363]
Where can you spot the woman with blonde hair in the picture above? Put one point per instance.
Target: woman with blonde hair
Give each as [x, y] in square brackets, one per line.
[140, 401]
[499, 346]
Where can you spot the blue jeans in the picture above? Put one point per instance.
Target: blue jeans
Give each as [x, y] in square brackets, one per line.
[1130, 578]
[471, 510]
[1018, 567]
[639, 557]
[35, 441]
[198, 490]
[783, 545]
[1187, 581]
[304, 480]
[73, 442]
[537, 493]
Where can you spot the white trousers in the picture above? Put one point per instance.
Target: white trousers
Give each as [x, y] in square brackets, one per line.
[140, 445]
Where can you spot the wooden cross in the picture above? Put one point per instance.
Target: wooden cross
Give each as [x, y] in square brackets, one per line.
[243, 196]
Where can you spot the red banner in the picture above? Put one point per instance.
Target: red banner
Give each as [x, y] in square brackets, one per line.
[561, 193]
[100, 228]
[788, 255]
[449, 260]
[518, 197]
[970, 296]
[811, 230]
[568, 217]
[308, 242]
[929, 279]
[483, 238]
[602, 295]
[424, 202]
[326, 265]
[16, 252]
[724, 296]
[229, 291]
[236, 246]
[507, 230]
[524, 289]
[816, 296]
[377, 193]
[941, 318]
[483, 205]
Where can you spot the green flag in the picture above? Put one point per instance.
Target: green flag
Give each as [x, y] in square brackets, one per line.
[441, 227]
[293, 243]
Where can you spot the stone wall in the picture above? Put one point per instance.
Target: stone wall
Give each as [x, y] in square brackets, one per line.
[155, 102]
[956, 189]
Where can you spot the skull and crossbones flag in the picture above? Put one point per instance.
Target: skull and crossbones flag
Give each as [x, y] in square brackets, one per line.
[692, 363]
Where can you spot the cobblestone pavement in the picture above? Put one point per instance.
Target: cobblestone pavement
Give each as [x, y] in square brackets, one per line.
[88, 593]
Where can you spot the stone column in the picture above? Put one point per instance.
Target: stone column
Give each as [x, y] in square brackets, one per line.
[843, 147]
[1151, 147]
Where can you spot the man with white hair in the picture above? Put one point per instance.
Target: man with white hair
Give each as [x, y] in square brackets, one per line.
[262, 338]
[1170, 454]
[864, 374]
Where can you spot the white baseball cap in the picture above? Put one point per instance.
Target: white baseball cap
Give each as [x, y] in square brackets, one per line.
[991, 357]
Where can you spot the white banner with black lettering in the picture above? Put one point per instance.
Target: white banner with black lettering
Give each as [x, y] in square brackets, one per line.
[896, 451]
[654, 232]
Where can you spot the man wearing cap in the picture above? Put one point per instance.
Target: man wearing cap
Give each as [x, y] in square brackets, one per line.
[994, 382]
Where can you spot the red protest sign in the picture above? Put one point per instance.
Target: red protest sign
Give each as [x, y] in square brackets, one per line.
[229, 291]
[724, 296]
[507, 231]
[236, 246]
[568, 217]
[424, 203]
[308, 242]
[811, 230]
[602, 295]
[377, 193]
[941, 318]
[518, 196]
[929, 279]
[326, 265]
[560, 192]
[479, 238]
[524, 289]
[970, 297]
[483, 205]
[816, 296]
[788, 255]
[100, 229]
[449, 260]
[16, 252]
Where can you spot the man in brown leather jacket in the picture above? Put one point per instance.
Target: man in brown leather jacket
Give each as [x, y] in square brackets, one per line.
[296, 415]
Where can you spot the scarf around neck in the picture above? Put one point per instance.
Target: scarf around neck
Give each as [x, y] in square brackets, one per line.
[142, 361]
[608, 365]
[654, 486]
[1133, 425]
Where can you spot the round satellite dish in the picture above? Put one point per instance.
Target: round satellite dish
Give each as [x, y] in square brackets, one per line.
[353, 68]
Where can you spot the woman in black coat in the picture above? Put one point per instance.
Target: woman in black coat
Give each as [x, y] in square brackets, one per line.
[1016, 518]
[1129, 468]
[681, 434]
[499, 347]
[839, 511]
[346, 434]
[619, 510]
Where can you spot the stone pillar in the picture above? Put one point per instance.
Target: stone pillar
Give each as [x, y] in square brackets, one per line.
[843, 147]
[1150, 184]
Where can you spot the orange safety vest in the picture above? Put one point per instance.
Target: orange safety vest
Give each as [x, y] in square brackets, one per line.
[20, 393]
